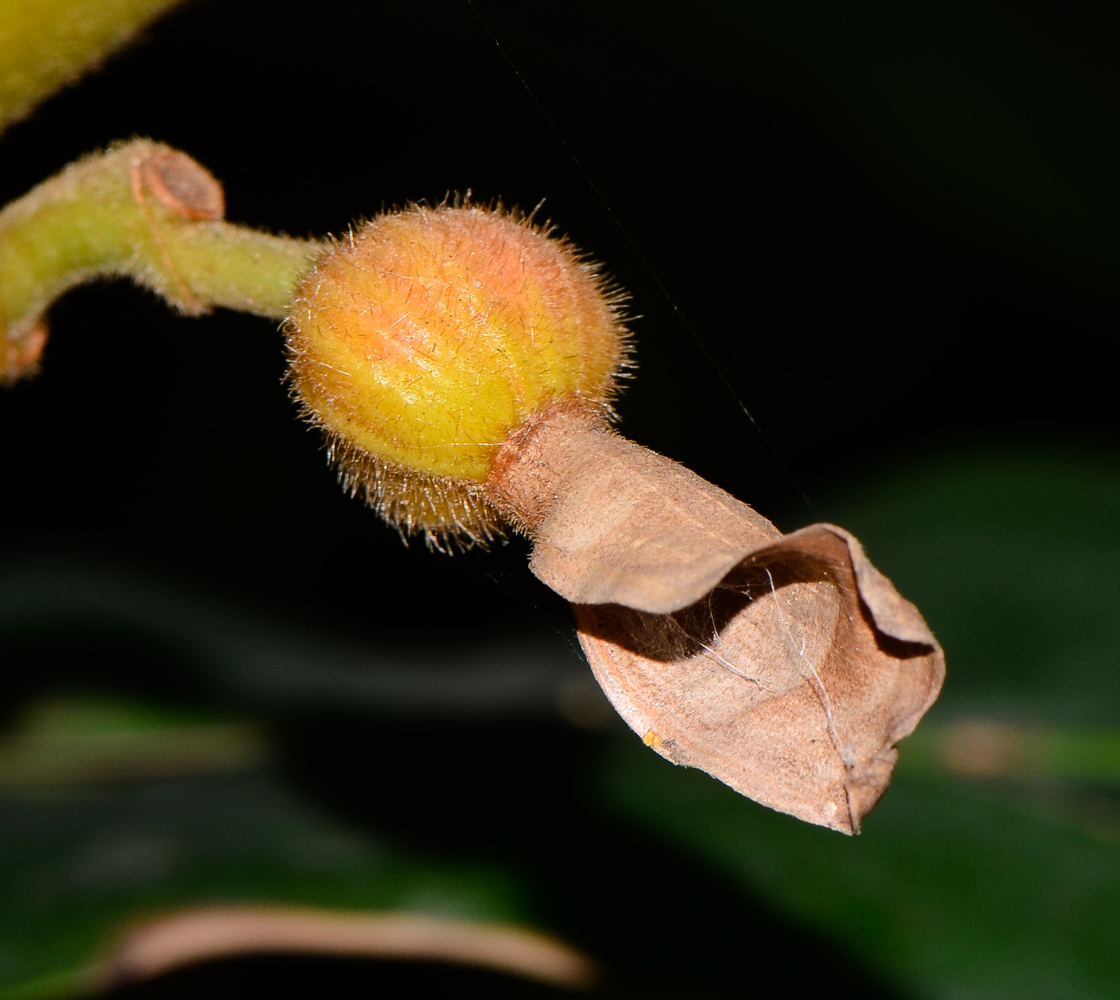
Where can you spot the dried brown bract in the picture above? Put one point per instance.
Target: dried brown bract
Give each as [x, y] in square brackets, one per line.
[787, 666]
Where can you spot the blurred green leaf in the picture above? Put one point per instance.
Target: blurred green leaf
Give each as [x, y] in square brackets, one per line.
[949, 892]
[1011, 555]
[962, 888]
[71, 742]
[985, 747]
[80, 859]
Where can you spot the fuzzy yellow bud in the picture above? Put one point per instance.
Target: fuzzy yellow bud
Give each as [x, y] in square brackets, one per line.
[427, 337]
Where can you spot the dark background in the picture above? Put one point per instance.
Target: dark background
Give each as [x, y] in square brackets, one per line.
[884, 233]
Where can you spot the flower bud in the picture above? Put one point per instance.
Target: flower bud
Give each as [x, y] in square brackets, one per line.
[427, 337]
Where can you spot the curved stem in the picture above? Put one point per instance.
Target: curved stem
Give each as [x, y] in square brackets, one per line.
[49, 43]
[221, 932]
[144, 211]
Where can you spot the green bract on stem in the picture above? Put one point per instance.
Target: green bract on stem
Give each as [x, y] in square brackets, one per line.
[144, 211]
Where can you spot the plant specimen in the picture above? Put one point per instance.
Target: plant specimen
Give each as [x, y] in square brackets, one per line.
[462, 362]
[961, 534]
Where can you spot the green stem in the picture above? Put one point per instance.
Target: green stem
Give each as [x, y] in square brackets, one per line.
[47, 44]
[142, 211]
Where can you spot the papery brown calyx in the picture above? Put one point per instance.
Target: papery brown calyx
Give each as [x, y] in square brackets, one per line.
[786, 666]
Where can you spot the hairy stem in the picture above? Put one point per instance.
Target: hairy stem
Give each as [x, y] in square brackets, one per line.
[143, 211]
[49, 43]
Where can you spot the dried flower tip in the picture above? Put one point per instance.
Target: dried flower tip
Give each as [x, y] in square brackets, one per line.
[422, 341]
[787, 666]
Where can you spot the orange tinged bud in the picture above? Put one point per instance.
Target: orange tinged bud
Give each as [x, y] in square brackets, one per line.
[425, 339]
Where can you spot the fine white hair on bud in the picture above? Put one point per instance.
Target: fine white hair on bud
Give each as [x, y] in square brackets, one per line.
[421, 341]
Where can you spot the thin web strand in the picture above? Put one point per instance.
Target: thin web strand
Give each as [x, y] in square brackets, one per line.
[643, 260]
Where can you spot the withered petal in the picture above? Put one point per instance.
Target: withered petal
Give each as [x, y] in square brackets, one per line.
[623, 524]
[791, 680]
[787, 666]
